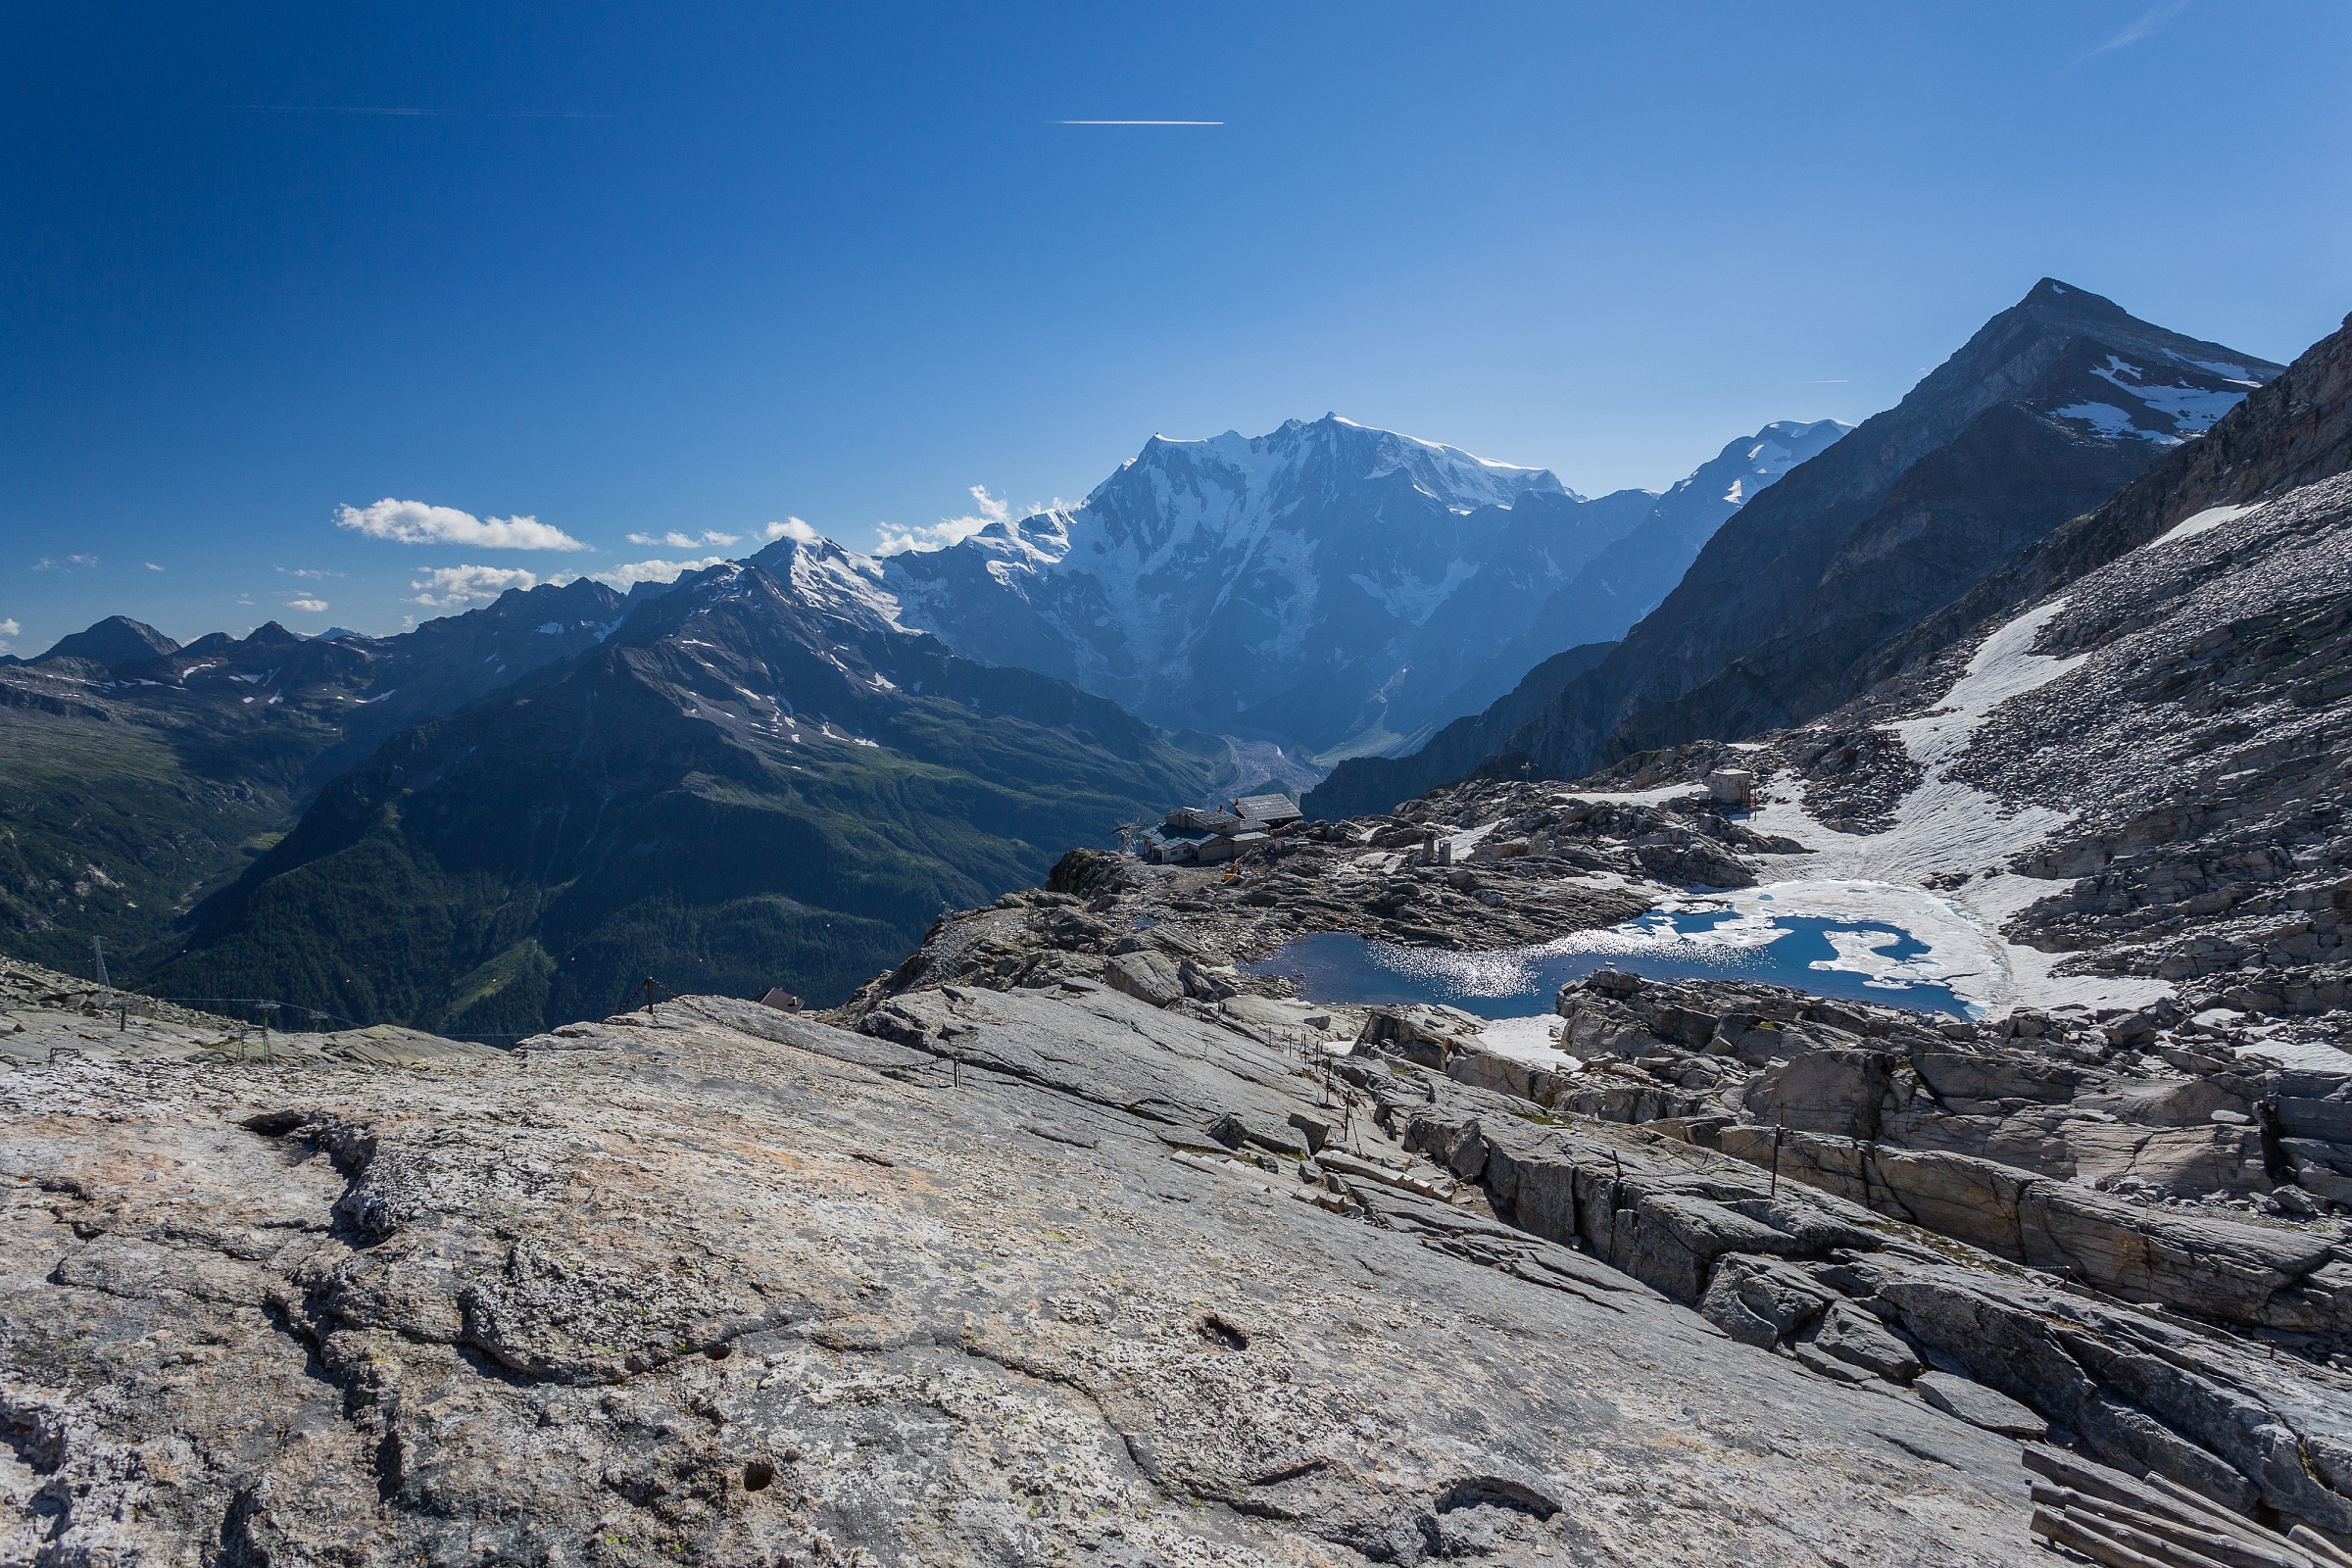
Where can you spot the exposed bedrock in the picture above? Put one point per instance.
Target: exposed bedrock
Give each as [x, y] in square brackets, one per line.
[1840, 1288]
[1016, 1286]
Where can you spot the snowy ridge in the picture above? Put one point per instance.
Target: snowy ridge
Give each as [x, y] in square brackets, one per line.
[838, 583]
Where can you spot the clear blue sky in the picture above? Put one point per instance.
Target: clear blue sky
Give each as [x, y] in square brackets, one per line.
[642, 268]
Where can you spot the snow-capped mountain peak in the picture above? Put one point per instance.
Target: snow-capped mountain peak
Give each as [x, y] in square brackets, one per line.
[1325, 583]
[837, 582]
[1302, 454]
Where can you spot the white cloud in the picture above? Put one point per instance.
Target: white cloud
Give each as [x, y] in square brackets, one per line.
[986, 509]
[637, 571]
[308, 607]
[789, 528]
[414, 523]
[684, 541]
[8, 629]
[445, 586]
[313, 573]
[52, 564]
[152, 566]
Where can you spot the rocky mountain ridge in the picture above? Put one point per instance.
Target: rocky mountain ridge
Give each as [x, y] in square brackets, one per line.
[757, 780]
[141, 775]
[2047, 412]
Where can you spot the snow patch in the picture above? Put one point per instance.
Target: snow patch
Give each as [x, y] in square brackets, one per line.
[2111, 422]
[1948, 828]
[2003, 666]
[1656, 797]
[2309, 1055]
[2190, 407]
[1534, 1039]
[2205, 521]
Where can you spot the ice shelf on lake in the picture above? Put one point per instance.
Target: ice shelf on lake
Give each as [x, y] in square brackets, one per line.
[1856, 940]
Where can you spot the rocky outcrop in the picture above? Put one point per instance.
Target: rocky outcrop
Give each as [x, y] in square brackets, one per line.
[1519, 863]
[2043, 1146]
[1837, 1289]
[716, 1284]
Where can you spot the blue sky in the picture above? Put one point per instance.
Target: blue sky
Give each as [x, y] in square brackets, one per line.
[697, 269]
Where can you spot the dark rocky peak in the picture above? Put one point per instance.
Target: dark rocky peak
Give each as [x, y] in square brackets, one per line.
[2008, 359]
[260, 645]
[581, 600]
[522, 629]
[116, 640]
[2295, 430]
[2047, 410]
[2062, 308]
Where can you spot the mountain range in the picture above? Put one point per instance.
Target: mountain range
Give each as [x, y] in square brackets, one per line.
[137, 777]
[758, 780]
[776, 771]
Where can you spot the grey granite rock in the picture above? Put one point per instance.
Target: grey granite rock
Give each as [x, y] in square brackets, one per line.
[2234, 1420]
[1978, 1405]
[726, 1286]
[1857, 1337]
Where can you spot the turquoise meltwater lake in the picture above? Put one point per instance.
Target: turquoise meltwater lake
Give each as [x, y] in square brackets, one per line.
[1857, 959]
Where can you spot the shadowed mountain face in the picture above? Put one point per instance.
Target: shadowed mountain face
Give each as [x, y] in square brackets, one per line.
[137, 777]
[2051, 408]
[1625, 581]
[758, 780]
[116, 640]
[1364, 785]
[1336, 588]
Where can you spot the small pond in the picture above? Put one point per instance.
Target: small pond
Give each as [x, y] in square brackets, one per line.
[1852, 958]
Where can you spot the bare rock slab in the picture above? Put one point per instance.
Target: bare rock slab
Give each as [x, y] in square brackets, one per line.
[1969, 1400]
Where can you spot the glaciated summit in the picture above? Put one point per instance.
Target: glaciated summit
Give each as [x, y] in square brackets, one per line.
[1333, 586]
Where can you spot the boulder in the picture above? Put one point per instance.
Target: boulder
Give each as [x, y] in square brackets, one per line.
[1856, 1337]
[1979, 1407]
[1145, 974]
[1237, 1129]
[1763, 1301]
[2236, 1273]
[1826, 1091]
